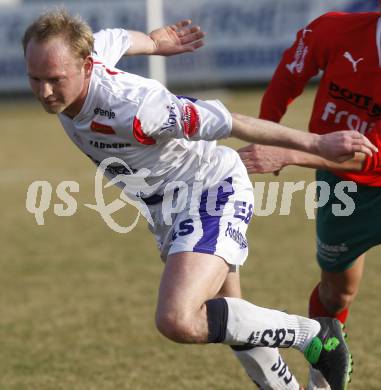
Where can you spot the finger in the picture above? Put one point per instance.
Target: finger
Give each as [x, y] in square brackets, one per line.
[186, 30]
[183, 23]
[251, 169]
[186, 36]
[247, 163]
[179, 25]
[194, 29]
[247, 148]
[363, 149]
[370, 145]
[252, 166]
[364, 140]
[193, 46]
[183, 30]
[192, 38]
[345, 157]
[197, 45]
[189, 30]
[246, 156]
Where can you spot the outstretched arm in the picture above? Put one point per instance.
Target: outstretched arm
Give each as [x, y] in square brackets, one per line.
[337, 146]
[168, 40]
[268, 159]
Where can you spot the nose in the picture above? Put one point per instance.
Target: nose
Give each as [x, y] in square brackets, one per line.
[45, 89]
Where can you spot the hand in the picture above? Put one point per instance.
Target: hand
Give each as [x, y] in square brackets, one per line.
[341, 146]
[177, 38]
[264, 159]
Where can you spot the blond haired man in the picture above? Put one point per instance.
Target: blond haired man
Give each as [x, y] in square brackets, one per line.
[173, 138]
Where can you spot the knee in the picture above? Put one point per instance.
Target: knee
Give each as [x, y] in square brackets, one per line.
[177, 327]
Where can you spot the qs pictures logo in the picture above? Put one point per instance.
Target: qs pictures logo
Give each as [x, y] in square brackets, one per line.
[134, 186]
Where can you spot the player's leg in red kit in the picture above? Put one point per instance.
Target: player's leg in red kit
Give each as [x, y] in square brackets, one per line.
[332, 297]
[336, 291]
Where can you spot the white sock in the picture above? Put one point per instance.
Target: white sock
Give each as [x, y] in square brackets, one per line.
[316, 380]
[253, 325]
[267, 369]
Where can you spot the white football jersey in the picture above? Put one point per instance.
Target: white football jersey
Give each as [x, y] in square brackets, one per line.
[171, 139]
[139, 121]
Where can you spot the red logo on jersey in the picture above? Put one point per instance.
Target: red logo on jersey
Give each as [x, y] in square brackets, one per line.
[100, 128]
[109, 71]
[139, 134]
[190, 119]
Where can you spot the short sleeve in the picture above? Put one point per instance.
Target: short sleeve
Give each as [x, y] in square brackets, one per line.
[162, 116]
[111, 44]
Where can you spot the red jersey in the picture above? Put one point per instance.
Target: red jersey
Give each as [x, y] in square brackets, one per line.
[347, 48]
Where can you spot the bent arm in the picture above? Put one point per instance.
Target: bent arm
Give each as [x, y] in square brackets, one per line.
[168, 40]
[309, 53]
[141, 44]
[269, 159]
[308, 160]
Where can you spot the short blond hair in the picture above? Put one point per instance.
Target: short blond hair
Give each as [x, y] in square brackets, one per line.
[60, 23]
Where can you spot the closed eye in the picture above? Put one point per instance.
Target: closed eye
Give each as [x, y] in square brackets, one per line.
[55, 80]
[33, 78]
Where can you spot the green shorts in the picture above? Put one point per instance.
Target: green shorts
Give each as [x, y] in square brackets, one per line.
[342, 238]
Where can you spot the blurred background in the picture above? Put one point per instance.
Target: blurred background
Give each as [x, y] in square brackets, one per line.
[245, 38]
[77, 299]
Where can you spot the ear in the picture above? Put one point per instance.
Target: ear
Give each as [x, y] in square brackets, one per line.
[88, 66]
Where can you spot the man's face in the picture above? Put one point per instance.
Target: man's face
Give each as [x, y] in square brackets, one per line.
[57, 78]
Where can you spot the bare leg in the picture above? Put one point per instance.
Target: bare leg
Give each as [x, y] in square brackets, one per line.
[339, 289]
[188, 281]
[187, 311]
[333, 297]
[231, 286]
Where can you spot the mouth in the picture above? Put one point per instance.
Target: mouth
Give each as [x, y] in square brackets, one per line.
[50, 102]
[51, 105]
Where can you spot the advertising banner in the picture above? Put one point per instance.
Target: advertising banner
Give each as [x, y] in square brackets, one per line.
[245, 38]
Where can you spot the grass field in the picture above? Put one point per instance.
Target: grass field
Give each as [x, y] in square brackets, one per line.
[77, 299]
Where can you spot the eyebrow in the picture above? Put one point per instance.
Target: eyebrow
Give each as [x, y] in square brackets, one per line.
[46, 78]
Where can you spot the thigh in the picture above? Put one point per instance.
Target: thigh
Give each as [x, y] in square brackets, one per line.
[343, 283]
[188, 280]
[231, 286]
[343, 239]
